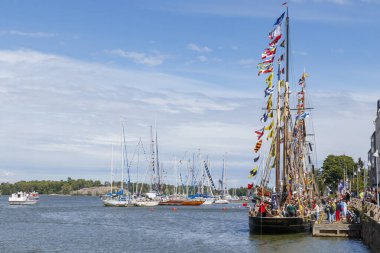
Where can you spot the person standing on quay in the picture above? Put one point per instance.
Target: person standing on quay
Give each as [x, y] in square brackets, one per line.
[337, 212]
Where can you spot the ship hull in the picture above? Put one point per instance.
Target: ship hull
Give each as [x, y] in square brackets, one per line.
[279, 225]
[192, 202]
[172, 202]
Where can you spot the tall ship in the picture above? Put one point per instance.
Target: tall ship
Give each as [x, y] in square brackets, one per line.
[283, 188]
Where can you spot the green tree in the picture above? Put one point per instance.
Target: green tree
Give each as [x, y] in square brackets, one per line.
[66, 188]
[335, 167]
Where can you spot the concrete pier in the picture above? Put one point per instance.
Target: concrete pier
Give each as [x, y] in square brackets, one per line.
[337, 230]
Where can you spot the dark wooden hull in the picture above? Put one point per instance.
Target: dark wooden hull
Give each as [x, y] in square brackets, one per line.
[279, 225]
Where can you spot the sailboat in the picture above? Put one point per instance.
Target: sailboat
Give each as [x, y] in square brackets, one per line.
[284, 208]
[120, 198]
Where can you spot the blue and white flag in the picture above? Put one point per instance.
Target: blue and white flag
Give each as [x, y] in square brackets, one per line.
[268, 91]
[264, 117]
[302, 116]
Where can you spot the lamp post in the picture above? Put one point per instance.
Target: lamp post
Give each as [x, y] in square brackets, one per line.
[376, 155]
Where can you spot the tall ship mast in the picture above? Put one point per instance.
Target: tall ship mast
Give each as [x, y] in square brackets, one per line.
[285, 163]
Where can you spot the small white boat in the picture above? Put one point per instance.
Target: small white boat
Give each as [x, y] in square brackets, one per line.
[208, 201]
[221, 201]
[23, 198]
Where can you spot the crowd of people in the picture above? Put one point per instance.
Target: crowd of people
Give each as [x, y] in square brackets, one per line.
[333, 209]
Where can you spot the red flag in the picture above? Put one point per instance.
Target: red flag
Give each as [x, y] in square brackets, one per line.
[259, 133]
[250, 186]
[274, 42]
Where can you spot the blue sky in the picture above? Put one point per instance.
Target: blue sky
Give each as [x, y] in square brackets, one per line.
[70, 69]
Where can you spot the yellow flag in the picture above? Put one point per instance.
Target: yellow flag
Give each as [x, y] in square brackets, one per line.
[269, 106]
[269, 78]
[270, 115]
[282, 83]
[305, 75]
[270, 126]
[270, 135]
[273, 153]
[270, 84]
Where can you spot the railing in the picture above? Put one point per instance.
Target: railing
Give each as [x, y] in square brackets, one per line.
[370, 209]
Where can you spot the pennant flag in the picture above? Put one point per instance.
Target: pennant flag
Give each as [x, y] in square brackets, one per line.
[259, 133]
[302, 116]
[311, 149]
[270, 135]
[283, 71]
[250, 186]
[273, 153]
[305, 75]
[265, 71]
[269, 60]
[269, 52]
[253, 172]
[264, 65]
[275, 41]
[258, 145]
[268, 91]
[282, 83]
[275, 32]
[269, 127]
[269, 78]
[256, 158]
[264, 117]
[279, 20]
[282, 43]
[281, 58]
[285, 4]
[270, 115]
[269, 105]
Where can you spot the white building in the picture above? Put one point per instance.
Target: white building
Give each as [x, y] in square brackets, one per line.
[375, 145]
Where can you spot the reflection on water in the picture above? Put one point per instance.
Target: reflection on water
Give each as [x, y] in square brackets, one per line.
[82, 224]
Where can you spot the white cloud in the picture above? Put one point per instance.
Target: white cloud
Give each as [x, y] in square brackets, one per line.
[199, 49]
[59, 117]
[141, 58]
[27, 34]
[202, 58]
[63, 114]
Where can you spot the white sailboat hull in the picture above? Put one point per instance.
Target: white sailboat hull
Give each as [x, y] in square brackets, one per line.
[146, 203]
[208, 201]
[221, 201]
[116, 203]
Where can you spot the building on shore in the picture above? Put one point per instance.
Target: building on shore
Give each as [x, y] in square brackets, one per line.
[375, 145]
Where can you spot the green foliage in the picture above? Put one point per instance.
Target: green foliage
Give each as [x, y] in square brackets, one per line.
[335, 168]
[48, 187]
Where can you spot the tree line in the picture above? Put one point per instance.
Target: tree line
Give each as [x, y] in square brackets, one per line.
[48, 186]
[70, 185]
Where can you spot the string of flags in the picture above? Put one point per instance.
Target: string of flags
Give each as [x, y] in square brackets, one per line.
[266, 67]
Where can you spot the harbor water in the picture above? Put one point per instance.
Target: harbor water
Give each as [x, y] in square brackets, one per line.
[83, 224]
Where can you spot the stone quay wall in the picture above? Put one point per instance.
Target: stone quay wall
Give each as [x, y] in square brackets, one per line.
[370, 221]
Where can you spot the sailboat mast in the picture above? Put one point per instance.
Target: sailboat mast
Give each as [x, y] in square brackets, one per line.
[158, 167]
[278, 141]
[152, 162]
[286, 103]
[111, 168]
[122, 158]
